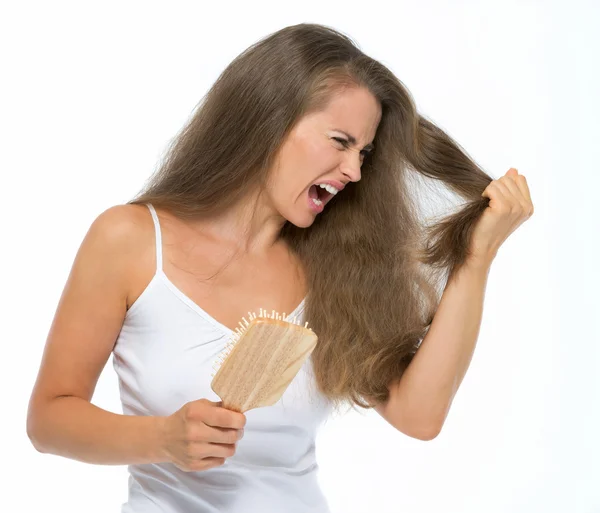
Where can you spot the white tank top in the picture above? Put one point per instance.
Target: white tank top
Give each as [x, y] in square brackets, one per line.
[163, 358]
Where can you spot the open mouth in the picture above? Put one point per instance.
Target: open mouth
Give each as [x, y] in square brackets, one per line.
[319, 193]
[323, 194]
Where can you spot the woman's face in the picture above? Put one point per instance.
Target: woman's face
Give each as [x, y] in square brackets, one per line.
[320, 149]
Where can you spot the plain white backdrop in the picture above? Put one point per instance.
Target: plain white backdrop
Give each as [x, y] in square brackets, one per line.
[93, 91]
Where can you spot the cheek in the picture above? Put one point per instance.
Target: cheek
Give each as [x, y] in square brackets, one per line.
[319, 157]
[311, 145]
[306, 160]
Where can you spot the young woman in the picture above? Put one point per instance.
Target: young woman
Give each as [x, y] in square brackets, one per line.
[289, 189]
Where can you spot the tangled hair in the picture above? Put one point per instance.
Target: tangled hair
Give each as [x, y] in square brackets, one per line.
[375, 271]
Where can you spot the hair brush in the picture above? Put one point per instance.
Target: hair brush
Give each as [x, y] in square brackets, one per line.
[261, 360]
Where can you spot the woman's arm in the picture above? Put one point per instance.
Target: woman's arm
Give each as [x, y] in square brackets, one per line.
[420, 401]
[61, 419]
[74, 428]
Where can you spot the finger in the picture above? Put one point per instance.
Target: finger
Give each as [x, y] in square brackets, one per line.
[214, 450]
[222, 435]
[522, 183]
[516, 195]
[224, 418]
[499, 192]
[488, 189]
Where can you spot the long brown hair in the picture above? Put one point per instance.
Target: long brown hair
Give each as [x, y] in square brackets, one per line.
[375, 271]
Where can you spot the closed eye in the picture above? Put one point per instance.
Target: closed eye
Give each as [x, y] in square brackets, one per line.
[344, 142]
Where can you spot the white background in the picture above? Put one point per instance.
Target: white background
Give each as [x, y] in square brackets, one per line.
[93, 91]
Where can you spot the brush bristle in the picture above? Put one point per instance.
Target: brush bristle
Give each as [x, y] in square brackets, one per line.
[273, 351]
[238, 332]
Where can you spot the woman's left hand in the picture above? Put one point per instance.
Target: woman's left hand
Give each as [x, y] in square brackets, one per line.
[510, 206]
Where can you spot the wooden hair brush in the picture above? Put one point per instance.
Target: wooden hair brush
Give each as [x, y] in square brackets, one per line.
[261, 360]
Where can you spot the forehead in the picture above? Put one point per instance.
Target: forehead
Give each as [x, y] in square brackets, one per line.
[355, 110]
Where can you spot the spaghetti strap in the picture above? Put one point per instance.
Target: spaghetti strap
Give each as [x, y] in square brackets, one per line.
[157, 237]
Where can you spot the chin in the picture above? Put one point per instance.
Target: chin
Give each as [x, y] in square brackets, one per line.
[304, 224]
[301, 221]
[298, 218]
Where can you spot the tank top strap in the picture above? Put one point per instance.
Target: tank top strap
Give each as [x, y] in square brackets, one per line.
[157, 238]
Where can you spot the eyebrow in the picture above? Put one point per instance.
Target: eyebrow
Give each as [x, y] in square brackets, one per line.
[352, 140]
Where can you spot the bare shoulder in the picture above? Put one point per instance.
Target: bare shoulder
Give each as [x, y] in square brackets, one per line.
[111, 240]
[121, 233]
[92, 307]
[122, 224]
[127, 232]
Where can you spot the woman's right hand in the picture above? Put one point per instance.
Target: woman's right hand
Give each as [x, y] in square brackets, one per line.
[201, 434]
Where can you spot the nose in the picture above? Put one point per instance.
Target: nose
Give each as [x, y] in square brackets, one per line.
[351, 165]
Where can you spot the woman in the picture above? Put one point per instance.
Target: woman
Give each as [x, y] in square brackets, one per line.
[289, 190]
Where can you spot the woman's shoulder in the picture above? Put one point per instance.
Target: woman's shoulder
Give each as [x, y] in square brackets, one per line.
[125, 234]
[123, 220]
[122, 228]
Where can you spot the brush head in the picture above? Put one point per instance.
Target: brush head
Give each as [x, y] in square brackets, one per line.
[261, 361]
